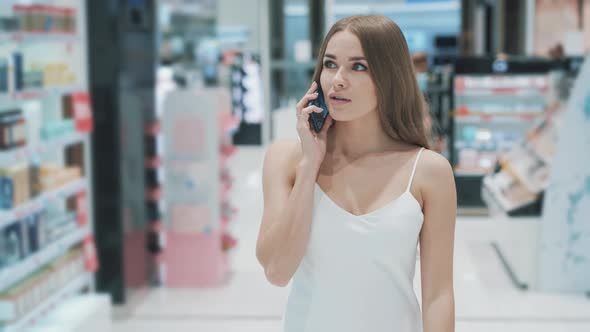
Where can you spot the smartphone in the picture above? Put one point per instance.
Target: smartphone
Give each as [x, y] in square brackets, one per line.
[316, 120]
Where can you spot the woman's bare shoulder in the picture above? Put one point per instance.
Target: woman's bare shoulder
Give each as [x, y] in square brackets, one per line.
[283, 155]
[433, 170]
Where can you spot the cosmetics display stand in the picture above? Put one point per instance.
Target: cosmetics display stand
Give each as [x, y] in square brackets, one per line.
[47, 251]
[546, 167]
[564, 240]
[197, 210]
[495, 103]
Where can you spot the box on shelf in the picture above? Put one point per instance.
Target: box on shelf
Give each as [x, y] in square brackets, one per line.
[53, 177]
[20, 183]
[57, 223]
[12, 129]
[45, 18]
[18, 70]
[75, 157]
[11, 245]
[34, 240]
[56, 128]
[14, 186]
[33, 77]
[78, 107]
[4, 75]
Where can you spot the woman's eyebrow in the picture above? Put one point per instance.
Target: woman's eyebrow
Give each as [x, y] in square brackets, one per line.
[352, 58]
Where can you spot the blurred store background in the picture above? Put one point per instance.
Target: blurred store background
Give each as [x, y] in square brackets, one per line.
[133, 134]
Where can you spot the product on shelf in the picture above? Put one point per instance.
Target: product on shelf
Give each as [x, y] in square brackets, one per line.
[18, 74]
[228, 242]
[53, 177]
[57, 223]
[34, 238]
[35, 231]
[4, 88]
[15, 187]
[45, 18]
[8, 24]
[78, 107]
[33, 77]
[17, 64]
[11, 245]
[57, 128]
[56, 74]
[12, 130]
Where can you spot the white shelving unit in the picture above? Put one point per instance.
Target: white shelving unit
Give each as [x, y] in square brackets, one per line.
[9, 216]
[43, 49]
[29, 152]
[35, 94]
[15, 273]
[73, 288]
[24, 38]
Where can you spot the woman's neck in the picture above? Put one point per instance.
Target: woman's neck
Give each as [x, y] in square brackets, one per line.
[358, 138]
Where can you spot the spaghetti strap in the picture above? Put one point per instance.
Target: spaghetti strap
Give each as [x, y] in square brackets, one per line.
[414, 169]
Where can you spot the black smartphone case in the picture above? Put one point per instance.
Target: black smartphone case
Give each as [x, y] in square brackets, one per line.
[316, 120]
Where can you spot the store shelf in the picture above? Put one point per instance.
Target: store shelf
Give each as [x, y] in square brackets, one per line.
[291, 64]
[472, 211]
[32, 94]
[459, 145]
[13, 274]
[493, 196]
[511, 92]
[35, 38]
[26, 153]
[516, 172]
[473, 173]
[74, 287]
[480, 114]
[9, 216]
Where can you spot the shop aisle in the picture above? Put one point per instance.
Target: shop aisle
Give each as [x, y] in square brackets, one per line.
[485, 298]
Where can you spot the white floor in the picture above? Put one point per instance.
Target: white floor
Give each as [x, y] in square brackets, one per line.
[485, 298]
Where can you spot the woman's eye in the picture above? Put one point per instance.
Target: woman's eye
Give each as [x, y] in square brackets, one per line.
[329, 64]
[359, 66]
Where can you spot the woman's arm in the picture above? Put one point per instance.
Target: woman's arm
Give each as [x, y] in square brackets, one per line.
[437, 242]
[288, 186]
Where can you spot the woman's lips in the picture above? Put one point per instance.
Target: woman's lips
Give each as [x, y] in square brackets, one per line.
[338, 102]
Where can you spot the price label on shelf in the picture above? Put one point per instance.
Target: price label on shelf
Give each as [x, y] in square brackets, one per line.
[82, 112]
[462, 110]
[90, 256]
[81, 208]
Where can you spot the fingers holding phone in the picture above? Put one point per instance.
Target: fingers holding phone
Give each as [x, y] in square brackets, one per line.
[313, 122]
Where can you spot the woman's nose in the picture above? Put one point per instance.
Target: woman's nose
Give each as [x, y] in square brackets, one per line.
[339, 80]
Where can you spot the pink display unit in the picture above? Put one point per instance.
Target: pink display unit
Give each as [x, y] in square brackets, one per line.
[135, 269]
[194, 260]
[197, 188]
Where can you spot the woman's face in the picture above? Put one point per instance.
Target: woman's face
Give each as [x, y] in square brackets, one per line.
[345, 79]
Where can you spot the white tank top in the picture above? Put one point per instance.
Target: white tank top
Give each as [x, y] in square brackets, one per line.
[358, 271]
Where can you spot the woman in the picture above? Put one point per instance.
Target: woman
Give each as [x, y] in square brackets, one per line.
[345, 208]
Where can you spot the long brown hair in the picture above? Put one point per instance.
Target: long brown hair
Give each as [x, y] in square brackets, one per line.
[399, 100]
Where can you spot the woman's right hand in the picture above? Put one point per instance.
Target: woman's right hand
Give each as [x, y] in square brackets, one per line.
[313, 144]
